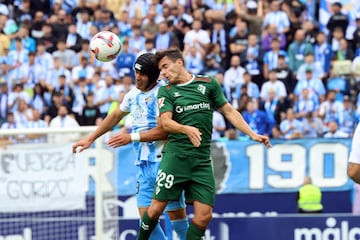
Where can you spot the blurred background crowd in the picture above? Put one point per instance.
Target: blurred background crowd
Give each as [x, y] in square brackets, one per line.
[287, 76]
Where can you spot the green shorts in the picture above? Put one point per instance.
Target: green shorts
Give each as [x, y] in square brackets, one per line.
[193, 175]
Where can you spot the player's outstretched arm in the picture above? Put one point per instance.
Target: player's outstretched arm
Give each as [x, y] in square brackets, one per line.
[172, 126]
[107, 125]
[153, 134]
[238, 121]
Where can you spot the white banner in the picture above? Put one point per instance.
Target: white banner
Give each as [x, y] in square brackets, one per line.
[41, 177]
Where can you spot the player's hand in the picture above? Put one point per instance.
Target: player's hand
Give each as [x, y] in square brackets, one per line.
[194, 135]
[119, 140]
[262, 139]
[81, 145]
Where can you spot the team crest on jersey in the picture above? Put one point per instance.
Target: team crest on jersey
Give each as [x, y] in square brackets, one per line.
[201, 88]
[177, 94]
[161, 102]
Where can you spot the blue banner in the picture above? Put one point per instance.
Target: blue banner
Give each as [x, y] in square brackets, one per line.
[296, 227]
[249, 167]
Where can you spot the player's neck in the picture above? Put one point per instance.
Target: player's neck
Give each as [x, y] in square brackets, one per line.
[185, 78]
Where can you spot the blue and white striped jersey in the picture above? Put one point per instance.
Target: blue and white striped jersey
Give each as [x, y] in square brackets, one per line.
[143, 108]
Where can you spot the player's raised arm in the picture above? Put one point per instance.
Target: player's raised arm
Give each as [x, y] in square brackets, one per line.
[107, 125]
[238, 121]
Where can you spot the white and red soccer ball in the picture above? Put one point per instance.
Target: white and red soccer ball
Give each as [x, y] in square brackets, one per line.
[105, 46]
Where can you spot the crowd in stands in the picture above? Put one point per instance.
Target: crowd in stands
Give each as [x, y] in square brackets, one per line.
[287, 76]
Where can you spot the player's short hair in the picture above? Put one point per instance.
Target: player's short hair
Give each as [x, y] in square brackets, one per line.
[173, 54]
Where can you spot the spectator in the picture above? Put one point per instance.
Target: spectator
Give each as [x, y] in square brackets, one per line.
[48, 38]
[232, 78]
[164, 38]
[149, 47]
[285, 75]
[196, 37]
[38, 100]
[106, 95]
[315, 86]
[15, 59]
[16, 94]
[337, 35]
[356, 34]
[334, 131]
[309, 198]
[73, 39]
[273, 84]
[290, 127]
[37, 25]
[149, 27]
[251, 88]
[82, 70]
[60, 25]
[66, 55]
[271, 57]
[125, 61]
[270, 34]
[322, 52]
[297, 50]
[66, 91]
[347, 121]
[330, 109]
[81, 90]
[83, 25]
[313, 126]
[124, 24]
[63, 120]
[257, 119]
[4, 39]
[27, 41]
[344, 52]
[32, 73]
[239, 39]
[305, 104]
[4, 98]
[11, 124]
[272, 107]
[338, 84]
[91, 113]
[276, 133]
[219, 36]
[85, 52]
[36, 122]
[338, 19]
[211, 67]
[193, 60]
[252, 13]
[310, 31]
[317, 69]
[44, 58]
[54, 74]
[277, 17]
[52, 110]
[136, 41]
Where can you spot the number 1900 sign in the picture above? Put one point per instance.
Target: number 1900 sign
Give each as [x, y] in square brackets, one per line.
[284, 166]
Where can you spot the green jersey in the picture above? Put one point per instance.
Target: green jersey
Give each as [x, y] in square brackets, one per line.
[192, 104]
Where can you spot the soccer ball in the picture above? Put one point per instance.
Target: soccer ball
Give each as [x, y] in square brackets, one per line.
[106, 46]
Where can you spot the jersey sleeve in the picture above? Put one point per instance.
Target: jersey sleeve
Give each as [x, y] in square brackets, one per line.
[165, 101]
[125, 104]
[217, 94]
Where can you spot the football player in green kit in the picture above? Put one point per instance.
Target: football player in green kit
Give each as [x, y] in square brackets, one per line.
[186, 107]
